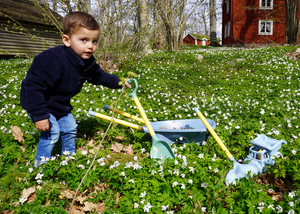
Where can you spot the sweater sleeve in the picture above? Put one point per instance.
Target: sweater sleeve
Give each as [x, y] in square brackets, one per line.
[100, 77]
[41, 76]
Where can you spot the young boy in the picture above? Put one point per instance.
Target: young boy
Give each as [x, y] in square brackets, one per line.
[58, 74]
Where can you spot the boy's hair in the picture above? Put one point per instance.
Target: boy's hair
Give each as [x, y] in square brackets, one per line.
[75, 20]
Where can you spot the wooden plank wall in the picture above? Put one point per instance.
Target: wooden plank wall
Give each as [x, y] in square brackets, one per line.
[18, 41]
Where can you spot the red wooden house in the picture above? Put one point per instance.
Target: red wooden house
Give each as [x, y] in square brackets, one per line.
[196, 39]
[253, 21]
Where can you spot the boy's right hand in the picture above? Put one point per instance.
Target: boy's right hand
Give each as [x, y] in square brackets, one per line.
[42, 125]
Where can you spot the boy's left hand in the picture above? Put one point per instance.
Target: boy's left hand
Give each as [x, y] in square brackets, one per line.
[127, 85]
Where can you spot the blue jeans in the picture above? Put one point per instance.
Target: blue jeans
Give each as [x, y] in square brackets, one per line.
[67, 126]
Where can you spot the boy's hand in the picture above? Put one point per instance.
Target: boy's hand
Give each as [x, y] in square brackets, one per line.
[42, 125]
[127, 85]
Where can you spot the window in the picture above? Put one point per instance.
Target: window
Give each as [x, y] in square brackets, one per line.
[266, 4]
[225, 33]
[227, 6]
[228, 29]
[265, 27]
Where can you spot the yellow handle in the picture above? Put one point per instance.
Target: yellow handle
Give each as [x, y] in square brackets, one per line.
[127, 115]
[213, 133]
[122, 122]
[144, 116]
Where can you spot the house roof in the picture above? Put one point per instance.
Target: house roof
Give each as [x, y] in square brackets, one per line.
[24, 10]
[200, 36]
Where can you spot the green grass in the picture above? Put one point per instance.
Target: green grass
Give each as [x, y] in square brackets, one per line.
[256, 94]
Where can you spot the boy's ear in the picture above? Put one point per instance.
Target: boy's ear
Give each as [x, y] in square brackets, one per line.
[66, 40]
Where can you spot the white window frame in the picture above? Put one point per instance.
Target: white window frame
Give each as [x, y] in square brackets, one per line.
[264, 24]
[228, 29]
[262, 4]
[227, 6]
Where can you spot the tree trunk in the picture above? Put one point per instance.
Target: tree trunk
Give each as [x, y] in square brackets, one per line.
[213, 22]
[292, 21]
[143, 25]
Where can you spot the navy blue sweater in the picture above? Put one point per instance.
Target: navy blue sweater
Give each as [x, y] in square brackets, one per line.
[54, 77]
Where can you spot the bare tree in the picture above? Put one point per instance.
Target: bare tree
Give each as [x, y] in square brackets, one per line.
[175, 15]
[292, 21]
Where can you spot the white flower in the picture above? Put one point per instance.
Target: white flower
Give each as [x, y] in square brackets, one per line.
[81, 166]
[30, 169]
[84, 152]
[63, 163]
[147, 207]
[164, 208]
[261, 204]
[176, 162]
[271, 206]
[182, 186]
[39, 181]
[136, 205]
[143, 194]
[191, 169]
[237, 127]
[181, 138]
[143, 150]
[200, 155]
[143, 201]
[123, 174]
[291, 212]
[135, 157]
[203, 209]
[291, 203]
[292, 194]
[102, 164]
[294, 151]
[204, 185]
[153, 172]
[43, 158]
[53, 158]
[66, 153]
[182, 175]
[175, 183]
[176, 172]
[191, 197]
[170, 212]
[262, 111]
[279, 208]
[216, 170]
[131, 181]
[260, 209]
[39, 176]
[190, 181]
[22, 200]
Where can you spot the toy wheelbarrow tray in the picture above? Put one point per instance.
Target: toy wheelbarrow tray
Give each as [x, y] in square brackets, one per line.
[171, 131]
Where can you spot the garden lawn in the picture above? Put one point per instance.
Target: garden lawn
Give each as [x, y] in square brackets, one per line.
[247, 92]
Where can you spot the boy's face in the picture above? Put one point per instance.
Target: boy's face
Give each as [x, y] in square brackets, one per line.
[83, 42]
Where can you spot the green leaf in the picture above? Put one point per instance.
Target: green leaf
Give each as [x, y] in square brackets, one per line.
[8, 179]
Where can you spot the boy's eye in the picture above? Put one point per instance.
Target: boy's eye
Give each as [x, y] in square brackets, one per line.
[95, 41]
[84, 40]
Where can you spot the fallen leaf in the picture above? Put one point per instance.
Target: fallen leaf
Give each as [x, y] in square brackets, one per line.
[91, 142]
[89, 206]
[278, 197]
[76, 210]
[26, 193]
[129, 150]
[119, 138]
[18, 135]
[117, 147]
[100, 207]
[80, 199]
[66, 194]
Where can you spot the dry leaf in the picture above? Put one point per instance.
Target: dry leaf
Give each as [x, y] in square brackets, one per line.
[89, 206]
[80, 199]
[119, 138]
[117, 147]
[100, 208]
[26, 193]
[129, 150]
[66, 194]
[91, 142]
[118, 197]
[278, 197]
[18, 135]
[76, 210]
